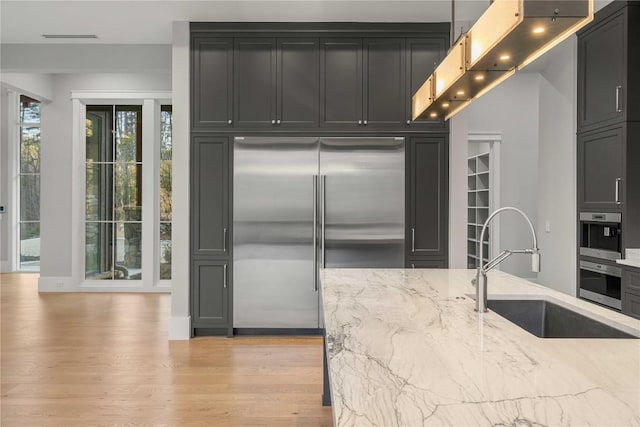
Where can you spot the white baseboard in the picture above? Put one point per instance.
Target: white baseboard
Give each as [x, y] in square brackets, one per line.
[54, 284]
[179, 328]
[5, 267]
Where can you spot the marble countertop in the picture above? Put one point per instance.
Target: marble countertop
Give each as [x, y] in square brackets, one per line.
[630, 262]
[406, 348]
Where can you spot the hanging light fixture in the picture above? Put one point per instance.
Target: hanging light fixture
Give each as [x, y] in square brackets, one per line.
[509, 35]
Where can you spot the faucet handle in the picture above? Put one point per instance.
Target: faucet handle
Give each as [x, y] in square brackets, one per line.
[535, 262]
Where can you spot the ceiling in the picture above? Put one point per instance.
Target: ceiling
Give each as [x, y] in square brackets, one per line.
[149, 21]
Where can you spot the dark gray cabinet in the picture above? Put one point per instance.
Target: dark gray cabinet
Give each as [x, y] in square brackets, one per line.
[255, 82]
[422, 57]
[298, 82]
[211, 82]
[363, 82]
[426, 263]
[341, 82]
[276, 82]
[384, 82]
[210, 294]
[427, 185]
[631, 291]
[600, 170]
[608, 61]
[210, 160]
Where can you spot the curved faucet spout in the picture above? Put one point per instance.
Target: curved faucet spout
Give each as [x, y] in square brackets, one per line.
[481, 274]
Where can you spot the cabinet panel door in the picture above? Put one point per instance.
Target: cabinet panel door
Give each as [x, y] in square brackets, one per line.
[298, 82]
[428, 190]
[384, 86]
[210, 196]
[341, 82]
[255, 82]
[599, 169]
[212, 82]
[602, 73]
[423, 55]
[210, 300]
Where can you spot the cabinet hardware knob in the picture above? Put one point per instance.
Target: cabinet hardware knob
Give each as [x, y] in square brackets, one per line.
[230, 121]
[408, 122]
[273, 122]
[278, 121]
[359, 122]
[365, 122]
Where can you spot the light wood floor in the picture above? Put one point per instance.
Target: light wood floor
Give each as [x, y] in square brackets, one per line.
[82, 359]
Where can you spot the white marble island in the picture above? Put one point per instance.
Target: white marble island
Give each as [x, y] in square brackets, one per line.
[405, 348]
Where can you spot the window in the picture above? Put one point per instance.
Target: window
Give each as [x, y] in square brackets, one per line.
[29, 184]
[166, 126]
[113, 215]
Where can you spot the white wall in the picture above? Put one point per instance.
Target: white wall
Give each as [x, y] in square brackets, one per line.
[38, 86]
[85, 58]
[56, 163]
[512, 110]
[180, 320]
[458, 142]
[557, 168]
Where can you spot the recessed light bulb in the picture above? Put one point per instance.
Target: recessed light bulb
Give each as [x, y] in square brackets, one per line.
[445, 105]
[460, 92]
[505, 57]
[433, 115]
[479, 77]
[538, 30]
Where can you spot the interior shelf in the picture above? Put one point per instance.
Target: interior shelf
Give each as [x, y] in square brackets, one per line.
[478, 206]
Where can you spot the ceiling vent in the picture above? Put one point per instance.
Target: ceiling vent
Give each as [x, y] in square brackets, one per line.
[69, 36]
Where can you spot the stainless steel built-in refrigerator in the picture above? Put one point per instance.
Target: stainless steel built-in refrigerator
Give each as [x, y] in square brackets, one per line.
[303, 203]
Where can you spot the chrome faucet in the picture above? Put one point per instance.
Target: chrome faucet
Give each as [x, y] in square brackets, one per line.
[481, 274]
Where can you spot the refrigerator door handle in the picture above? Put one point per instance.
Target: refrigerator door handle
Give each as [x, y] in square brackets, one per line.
[315, 233]
[323, 193]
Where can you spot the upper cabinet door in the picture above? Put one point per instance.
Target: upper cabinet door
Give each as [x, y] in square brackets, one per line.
[427, 194]
[423, 55]
[255, 82]
[211, 82]
[602, 74]
[384, 82]
[298, 82]
[600, 170]
[210, 160]
[341, 82]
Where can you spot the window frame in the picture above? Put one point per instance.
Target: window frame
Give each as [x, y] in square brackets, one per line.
[17, 180]
[150, 102]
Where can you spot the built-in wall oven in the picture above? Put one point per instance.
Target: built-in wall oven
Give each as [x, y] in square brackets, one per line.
[601, 235]
[600, 245]
[601, 283]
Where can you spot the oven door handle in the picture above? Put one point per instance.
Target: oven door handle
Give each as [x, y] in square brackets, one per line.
[602, 269]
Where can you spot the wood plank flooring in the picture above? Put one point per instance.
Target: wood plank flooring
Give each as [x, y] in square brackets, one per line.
[87, 359]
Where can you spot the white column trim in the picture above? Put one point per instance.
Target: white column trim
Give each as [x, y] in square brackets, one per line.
[150, 198]
[77, 192]
[14, 181]
[180, 328]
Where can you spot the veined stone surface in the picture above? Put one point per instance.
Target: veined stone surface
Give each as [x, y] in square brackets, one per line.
[406, 348]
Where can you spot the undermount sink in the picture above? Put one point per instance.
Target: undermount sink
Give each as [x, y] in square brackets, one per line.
[545, 319]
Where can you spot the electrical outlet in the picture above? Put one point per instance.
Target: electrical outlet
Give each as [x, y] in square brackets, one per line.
[547, 226]
[1, 209]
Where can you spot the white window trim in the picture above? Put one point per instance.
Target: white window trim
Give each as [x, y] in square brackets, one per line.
[495, 140]
[18, 176]
[151, 102]
[14, 180]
